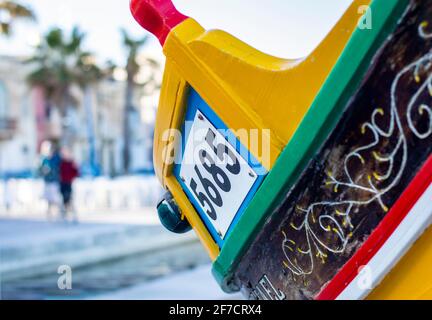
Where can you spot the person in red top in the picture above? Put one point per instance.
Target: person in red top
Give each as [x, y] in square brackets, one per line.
[68, 173]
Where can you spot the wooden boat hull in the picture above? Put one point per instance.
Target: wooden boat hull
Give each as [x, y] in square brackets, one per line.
[364, 198]
[346, 186]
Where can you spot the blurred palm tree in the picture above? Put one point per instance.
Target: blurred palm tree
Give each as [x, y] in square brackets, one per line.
[60, 64]
[133, 68]
[11, 11]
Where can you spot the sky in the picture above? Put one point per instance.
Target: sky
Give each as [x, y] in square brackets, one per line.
[284, 28]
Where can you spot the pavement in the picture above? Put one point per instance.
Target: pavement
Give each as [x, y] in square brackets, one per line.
[32, 247]
[115, 256]
[197, 284]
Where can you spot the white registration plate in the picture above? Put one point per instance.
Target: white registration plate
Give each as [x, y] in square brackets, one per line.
[215, 175]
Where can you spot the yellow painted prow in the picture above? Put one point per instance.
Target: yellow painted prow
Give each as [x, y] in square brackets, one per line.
[246, 88]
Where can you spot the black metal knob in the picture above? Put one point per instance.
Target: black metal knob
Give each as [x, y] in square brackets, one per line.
[171, 217]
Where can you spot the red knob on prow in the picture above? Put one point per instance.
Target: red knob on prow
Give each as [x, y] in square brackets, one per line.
[157, 16]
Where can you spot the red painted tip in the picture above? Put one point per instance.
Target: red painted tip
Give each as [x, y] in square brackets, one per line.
[157, 16]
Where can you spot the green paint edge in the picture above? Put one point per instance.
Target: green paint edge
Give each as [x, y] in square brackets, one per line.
[319, 122]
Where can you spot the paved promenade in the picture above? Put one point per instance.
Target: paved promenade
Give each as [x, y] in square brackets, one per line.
[115, 255]
[197, 284]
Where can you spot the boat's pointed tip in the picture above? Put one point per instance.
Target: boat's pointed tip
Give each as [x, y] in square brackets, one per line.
[156, 16]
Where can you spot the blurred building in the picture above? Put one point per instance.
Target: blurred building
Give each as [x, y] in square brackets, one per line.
[17, 120]
[94, 126]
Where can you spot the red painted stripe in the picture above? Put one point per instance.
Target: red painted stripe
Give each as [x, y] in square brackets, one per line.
[381, 234]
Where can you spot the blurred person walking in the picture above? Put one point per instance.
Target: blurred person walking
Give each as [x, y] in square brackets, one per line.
[68, 173]
[49, 170]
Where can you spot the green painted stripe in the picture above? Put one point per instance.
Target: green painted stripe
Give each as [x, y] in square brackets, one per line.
[319, 122]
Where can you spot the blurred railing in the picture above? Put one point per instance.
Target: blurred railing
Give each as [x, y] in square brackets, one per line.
[98, 195]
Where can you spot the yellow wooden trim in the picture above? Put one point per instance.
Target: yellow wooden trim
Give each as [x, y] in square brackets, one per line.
[411, 278]
[169, 102]
[170, 115]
